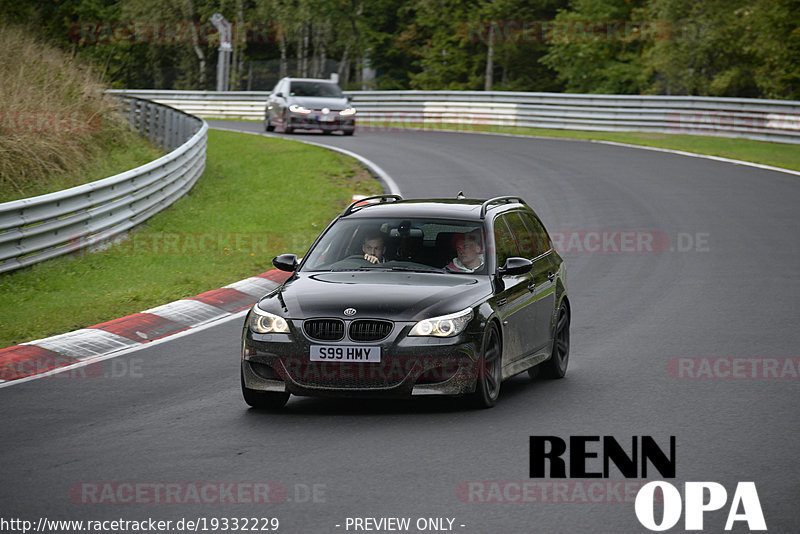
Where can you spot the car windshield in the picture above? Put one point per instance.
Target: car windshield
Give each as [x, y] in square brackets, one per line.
[318, 89]
[418, 245]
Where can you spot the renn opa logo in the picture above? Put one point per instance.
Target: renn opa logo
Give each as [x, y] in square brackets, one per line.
[592, 457]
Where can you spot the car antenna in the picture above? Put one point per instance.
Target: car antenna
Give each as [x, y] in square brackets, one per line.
[460, 195]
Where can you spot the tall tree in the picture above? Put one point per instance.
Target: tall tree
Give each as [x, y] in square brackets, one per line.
[727, 48]
[597, 45]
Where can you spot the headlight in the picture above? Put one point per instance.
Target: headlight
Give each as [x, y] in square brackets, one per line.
[443, 326]
[267, 323]
[294, 108]
[348, 111]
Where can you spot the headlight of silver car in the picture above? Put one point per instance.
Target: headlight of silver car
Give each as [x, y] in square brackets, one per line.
[443, 326]
[294, 108]
[348, 111]
[263, 322]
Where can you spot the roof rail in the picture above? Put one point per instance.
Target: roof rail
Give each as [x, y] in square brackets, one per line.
[359, 204]
[499, 200]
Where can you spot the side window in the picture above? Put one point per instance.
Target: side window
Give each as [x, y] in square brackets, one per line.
[525, 240]
[504, 241]
[541, 239]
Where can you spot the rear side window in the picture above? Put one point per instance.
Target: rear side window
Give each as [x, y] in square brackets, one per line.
[538, 233]
[504, 241]
[526, 241]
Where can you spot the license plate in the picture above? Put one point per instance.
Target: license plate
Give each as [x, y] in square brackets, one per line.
[343, 353]
[324, 118]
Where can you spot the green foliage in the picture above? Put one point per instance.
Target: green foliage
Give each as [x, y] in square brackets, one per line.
[747, 48]
[727, 48]
[596, 48]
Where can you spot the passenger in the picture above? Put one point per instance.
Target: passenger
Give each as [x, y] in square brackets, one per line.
[470, 253]
[374, 247]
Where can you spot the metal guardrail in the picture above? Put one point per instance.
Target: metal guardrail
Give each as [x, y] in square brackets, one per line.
[766, 120]
[38, 228]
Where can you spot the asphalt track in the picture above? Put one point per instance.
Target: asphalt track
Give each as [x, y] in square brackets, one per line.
[172, 412]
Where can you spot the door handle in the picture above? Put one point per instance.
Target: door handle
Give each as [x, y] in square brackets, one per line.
[551, 276]
[531, 286]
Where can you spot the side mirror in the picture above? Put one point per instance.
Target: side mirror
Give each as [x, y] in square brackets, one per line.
[515, 266]
[279, 95]
[285, 262]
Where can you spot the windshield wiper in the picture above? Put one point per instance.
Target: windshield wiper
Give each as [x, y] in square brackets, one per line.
[417, 270]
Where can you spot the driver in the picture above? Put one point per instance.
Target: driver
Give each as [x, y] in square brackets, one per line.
[374, 247]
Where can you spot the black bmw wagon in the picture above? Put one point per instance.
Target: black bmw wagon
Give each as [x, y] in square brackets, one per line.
[400, 298]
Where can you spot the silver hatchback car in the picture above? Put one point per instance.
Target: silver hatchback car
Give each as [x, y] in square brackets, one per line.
[309, 104]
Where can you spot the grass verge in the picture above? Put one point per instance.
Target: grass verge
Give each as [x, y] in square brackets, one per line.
[785, 155]
[258, 197]
[57, 127]
[113, 155]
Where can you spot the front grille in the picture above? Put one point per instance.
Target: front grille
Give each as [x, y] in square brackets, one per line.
[324, 329]
[369, 330]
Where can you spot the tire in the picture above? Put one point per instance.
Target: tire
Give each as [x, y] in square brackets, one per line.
[556, 366]
[268, 127]
[266, 400]
[348, 132]
[487, 390]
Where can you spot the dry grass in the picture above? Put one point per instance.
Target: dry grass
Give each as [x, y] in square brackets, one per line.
[54, 118]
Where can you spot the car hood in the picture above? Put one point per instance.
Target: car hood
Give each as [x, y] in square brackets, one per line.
[316, 102]
[375, 294]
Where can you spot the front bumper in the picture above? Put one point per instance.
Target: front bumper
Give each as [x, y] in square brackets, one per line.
[316, 120]
[410, 366]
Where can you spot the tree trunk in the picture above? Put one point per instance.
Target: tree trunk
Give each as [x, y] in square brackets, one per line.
[201, 57]
[314, 48]
[241, 39]
[490, 61]
[343, 71]
[300, 52]
[284, 60]
[306, 36]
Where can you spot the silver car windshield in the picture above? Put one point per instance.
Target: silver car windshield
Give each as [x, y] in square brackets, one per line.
[317, 89]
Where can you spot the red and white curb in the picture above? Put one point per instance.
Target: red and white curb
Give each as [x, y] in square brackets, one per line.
[101, 341]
